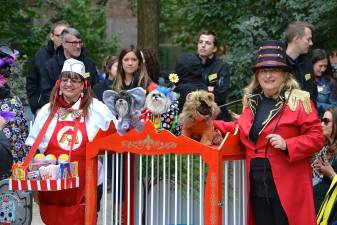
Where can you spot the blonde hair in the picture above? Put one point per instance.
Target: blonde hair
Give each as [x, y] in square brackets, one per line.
[254, 86]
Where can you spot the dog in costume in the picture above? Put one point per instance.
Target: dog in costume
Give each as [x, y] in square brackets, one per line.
[161, 107]
[197, 116]
[126, 107]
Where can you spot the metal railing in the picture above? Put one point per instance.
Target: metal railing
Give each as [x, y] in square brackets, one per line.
[158, 178]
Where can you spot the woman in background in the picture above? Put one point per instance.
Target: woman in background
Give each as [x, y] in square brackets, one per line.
[131, 71]
[110, 70]
[326, 84]
[15, 128]
[325, 163]
[151, 62]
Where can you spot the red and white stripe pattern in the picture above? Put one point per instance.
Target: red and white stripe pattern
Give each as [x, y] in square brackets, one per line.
[43, 185]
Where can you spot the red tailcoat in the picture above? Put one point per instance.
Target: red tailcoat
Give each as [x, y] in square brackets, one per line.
[291, 170]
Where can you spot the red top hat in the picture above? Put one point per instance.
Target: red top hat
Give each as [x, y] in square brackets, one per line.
[271, 55]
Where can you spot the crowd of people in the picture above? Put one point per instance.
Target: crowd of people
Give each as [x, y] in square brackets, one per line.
[288, 124]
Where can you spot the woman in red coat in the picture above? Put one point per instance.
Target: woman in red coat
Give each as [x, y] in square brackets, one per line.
[280, 130]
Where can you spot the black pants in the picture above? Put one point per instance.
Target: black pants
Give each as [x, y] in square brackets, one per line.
[268, 212]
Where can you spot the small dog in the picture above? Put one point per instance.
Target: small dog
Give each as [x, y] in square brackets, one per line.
[126, 107]
[157, 103]
[197, 117]
[162, 109]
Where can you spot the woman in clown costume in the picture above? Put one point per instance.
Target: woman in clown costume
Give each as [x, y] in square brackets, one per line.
[71, 107]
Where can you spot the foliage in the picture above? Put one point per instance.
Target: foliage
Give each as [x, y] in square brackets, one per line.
[241, 24]
[181, 176]
[90, 20]
[17, 27]
[25, 26]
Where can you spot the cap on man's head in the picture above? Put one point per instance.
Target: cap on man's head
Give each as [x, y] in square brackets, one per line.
[73, 65]
[271, 55]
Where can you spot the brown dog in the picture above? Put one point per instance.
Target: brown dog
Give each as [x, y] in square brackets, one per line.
[197, 117]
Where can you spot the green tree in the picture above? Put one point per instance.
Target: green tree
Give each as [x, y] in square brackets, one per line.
[17, 27]
[148, 23]
[25, 26]
[90, 20]
[241, 24]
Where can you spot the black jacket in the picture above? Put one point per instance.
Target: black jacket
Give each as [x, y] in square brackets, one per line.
[184, 89]
[302, 70]
[6, 158]
[102, 86]
[215, 72]
[33, 79]
[53, 67]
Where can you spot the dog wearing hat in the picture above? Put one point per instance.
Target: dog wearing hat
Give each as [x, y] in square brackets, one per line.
[197, 116]
[161, 107]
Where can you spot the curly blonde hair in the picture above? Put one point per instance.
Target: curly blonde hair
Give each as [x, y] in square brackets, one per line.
[254, 86]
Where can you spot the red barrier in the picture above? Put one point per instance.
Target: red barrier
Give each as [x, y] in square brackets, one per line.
[151, 142]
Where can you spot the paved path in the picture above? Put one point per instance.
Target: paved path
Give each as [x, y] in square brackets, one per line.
[36, 220]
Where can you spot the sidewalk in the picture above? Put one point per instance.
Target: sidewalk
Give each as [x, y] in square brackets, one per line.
[36, 219]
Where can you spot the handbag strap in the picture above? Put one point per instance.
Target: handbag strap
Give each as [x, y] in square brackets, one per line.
[40, 136]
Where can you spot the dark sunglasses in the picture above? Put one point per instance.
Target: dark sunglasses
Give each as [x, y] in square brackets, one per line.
[326, 121]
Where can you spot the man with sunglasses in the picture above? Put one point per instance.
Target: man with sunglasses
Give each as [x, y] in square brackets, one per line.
[33, 79]
[71, 47]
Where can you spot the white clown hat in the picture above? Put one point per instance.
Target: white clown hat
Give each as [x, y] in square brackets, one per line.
[73, 65]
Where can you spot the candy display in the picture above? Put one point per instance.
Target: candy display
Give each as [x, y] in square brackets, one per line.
[46, 168]
[31, 175]
[18, 171]
[63, 158]
[36, 165]
[51, 159]
[38, 158]
[49, 172]
[68, 169]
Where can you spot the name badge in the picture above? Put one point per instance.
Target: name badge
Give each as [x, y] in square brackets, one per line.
[212, 77]
[87, 74]
[319, 88]
[307, 77]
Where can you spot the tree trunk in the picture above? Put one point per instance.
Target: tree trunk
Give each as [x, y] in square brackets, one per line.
[148, 12]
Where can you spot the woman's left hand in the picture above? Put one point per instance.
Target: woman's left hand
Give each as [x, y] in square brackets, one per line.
[277, 141]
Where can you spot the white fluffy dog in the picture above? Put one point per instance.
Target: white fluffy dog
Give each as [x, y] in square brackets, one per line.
[157, 103]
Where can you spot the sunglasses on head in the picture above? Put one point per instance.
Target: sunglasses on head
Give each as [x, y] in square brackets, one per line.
[326, 121]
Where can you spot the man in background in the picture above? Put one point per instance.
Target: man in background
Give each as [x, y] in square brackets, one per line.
[299, 39]
[33, 79]
[71, 47]
[215, 72]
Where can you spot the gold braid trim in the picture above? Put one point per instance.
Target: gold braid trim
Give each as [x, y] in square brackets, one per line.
[299, 96]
